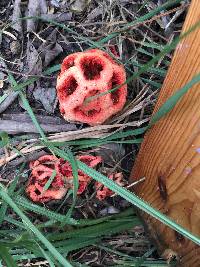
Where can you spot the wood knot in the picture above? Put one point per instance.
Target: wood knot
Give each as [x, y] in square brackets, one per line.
[162, 188]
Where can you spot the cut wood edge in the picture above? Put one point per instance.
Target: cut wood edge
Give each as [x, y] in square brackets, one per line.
[169, 157]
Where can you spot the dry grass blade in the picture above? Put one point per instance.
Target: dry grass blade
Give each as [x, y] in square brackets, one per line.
[96, 132]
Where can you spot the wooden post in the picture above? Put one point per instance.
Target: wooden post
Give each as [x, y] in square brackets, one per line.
[169, 157]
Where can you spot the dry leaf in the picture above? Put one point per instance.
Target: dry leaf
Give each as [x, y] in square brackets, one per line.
[111, 153]
[79, 5]
[35, 8]
[15, 47]
[47, 96]
[34, 61]
[16, 15]
[50, 49]
[59, 17]
[8, 101]
[50, 52]
[95, 13]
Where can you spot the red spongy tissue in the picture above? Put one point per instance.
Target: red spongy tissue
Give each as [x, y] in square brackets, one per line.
[102, 191]
[42, 170]
[84, 76]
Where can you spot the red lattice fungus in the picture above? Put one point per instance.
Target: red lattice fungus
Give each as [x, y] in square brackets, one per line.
[42, 170]
[65, 169]
[103, 191]
[87, 74]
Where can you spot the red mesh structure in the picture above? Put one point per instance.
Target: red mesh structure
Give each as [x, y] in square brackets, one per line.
[42, 170]
[87, 74]
[103, 191]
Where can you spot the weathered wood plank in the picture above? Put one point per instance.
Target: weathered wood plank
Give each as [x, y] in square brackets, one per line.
[169, 157]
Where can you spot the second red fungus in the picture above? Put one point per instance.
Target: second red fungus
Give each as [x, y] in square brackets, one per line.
[103, 191]
[42, 170]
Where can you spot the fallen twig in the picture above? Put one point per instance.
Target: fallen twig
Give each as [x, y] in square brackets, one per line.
[8, 101]
[14, 127]
[29, 157]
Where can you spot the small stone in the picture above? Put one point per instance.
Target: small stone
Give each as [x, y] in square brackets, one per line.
[109, 210]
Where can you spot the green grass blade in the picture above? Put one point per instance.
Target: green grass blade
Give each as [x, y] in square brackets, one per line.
[52, 69]
[152, 83]
[10, 192]
[102, 229]
[74, 166]
[172, 101]
[131, 197]
[27, 107]
[14, 222]
[46, 256]
[97, 144]
[30, 112]
[48, 183]
[152, 45]
[27, 205]
[18, 87]
[6, 257]
[31, 227]
[3, 97]
[157, 71]
[4, 139]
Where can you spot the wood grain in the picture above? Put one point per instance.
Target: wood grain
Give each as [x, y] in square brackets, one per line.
[169, 157]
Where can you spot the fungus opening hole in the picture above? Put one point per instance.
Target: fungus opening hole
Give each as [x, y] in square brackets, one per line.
[68, 63]
[87, 113]
[72, 85]
[92, 67]
[37, 192]
[86, 161]
[115, 81]
[48, 164]
[69, 87]
[89, 109]
[32, 180]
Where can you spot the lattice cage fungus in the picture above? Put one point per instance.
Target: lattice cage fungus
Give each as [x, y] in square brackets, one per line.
[85, 75]
[42, 170]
